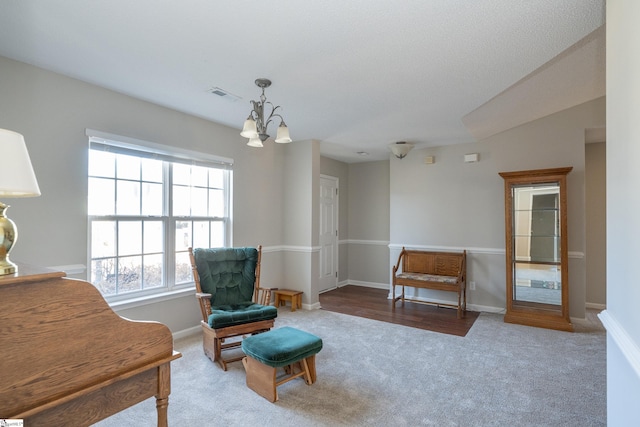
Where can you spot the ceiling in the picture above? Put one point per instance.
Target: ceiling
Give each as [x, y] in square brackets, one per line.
[355, 75]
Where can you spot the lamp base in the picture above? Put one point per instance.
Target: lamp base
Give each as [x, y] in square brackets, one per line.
[8, 236]
[7, 267]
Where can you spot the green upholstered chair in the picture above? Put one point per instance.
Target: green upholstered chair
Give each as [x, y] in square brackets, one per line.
[231, 300]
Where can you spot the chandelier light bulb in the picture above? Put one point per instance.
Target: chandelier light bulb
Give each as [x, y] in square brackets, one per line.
[282, 136]
[249, 130]
[255, 142]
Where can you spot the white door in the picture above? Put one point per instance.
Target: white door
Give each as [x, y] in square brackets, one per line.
[328, 233]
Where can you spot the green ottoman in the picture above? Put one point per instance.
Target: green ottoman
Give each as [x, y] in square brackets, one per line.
[286, 347]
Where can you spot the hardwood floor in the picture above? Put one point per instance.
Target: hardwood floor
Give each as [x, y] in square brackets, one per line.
[372, 303]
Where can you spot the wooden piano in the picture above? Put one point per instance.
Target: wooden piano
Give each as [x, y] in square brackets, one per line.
[67, 359]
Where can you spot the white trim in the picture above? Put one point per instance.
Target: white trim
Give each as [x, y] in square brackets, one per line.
[368, 242]
[471, 250]
[314, 306]
[149, 299]
[284, 248]
[134, 143]
[470, 307]
[595, 306]
[70, 269]
[186, 332]
[486, 308]
[625, 344]
[490, 251]
[368, 284]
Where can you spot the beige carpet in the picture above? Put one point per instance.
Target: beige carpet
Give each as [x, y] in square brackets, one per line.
[373, 373]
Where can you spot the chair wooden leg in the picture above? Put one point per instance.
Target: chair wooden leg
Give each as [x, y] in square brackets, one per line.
[209, 344]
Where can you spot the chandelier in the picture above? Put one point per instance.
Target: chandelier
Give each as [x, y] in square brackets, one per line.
[255, 127]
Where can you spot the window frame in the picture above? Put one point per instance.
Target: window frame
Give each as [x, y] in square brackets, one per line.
[117, 144]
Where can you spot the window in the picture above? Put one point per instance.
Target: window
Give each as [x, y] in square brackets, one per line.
[146, 205]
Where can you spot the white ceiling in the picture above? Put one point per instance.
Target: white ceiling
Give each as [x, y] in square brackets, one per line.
[354, 74]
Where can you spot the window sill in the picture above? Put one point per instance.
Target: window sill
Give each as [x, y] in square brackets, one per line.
[150, 299]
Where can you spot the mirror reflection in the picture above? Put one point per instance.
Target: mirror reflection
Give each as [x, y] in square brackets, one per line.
[536, 241]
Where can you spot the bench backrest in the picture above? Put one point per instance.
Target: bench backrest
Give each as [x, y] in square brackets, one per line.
[438, 263]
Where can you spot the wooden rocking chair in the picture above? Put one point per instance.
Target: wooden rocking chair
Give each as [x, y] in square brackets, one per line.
[231, 300]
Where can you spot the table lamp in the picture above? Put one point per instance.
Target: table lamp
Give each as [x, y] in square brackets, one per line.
[16, 180]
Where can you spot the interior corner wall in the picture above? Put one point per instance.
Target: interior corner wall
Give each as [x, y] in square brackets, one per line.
[52, 112]
[340, 170]
[622, 316]
[368, 218]
[453, 205]
[596, 226]
[300, 211]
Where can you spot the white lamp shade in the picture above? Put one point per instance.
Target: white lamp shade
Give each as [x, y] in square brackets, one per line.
[400, 149]
[17, 178]
[255, 142]
[282, 136]
[249, 129]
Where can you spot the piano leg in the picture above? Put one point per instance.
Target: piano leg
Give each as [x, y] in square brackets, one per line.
[162, 398]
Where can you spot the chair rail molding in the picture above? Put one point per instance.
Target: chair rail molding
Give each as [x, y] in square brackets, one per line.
[624, 342]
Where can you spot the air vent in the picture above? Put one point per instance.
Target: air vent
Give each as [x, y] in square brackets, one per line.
[223, 94]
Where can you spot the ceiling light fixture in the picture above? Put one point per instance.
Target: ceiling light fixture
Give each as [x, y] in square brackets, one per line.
[255, 127]
[400, 149]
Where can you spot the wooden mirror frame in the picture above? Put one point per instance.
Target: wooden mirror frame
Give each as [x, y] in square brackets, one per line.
[528, 312]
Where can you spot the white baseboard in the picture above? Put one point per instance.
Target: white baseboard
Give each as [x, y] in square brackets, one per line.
[368, 284]
[186, 332]
[314, 306]
[470, 307]
[595, 306]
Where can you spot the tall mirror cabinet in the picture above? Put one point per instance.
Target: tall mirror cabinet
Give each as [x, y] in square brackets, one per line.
[536, 248]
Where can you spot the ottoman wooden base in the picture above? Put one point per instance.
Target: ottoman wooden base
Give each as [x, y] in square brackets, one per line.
[263, 380]
[286, 347]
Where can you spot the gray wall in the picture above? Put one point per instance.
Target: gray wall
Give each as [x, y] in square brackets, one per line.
[622, 316]
[369, 221]
[448, 204]
[596, 227]
[53, 111]
[454, 205]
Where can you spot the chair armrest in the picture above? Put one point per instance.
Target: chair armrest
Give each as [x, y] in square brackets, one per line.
[263, 295]
[205, 305]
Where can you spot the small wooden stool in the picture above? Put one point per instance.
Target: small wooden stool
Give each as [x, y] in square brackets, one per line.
[284, 295]
[286, 347]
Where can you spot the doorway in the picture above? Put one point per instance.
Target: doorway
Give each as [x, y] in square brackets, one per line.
[328, 233]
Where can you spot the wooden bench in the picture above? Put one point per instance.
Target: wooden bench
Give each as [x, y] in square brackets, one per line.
[442, 271]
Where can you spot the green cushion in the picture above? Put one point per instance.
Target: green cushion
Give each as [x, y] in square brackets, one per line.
[229, 315]
[282, 346]
[228, 274]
